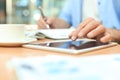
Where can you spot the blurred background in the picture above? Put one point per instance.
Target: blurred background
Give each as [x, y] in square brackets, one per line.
[26, 11]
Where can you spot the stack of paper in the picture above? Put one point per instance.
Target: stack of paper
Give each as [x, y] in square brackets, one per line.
[51, 33]
[104, 67]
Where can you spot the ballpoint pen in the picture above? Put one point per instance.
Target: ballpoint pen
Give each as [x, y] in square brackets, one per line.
[44, 17]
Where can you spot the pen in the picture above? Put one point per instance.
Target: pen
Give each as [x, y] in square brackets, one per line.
[44, 17]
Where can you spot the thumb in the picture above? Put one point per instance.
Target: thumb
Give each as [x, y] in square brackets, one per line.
[106, 38]
[50, 21]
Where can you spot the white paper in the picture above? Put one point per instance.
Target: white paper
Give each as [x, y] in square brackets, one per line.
[104, 67]
[51, 33]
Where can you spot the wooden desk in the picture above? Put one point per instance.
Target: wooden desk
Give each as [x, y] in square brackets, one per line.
[6, 53]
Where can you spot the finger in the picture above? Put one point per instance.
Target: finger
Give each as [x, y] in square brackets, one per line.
[96, 32]
[51, 22]
[89, 27]
[73, 35]
[86, 21]
[40, 25]
[42, 21]
[106, 38]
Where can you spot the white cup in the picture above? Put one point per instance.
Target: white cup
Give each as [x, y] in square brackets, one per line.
[12, 32]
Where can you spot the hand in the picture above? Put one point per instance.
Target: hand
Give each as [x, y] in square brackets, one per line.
[42, 24]
[53, 23]
[91, 28]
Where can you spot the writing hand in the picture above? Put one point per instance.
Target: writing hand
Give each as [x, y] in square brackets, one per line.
[42, 24]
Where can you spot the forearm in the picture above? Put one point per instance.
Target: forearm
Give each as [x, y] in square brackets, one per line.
[59, 23]
[115, 34]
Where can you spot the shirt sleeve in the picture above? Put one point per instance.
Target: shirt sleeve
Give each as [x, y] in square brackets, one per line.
[66, 12]
[117, 7]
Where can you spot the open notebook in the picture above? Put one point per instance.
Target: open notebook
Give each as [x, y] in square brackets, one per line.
[51, 33]
[104, 67]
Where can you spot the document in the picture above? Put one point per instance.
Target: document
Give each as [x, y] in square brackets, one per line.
[103, 67]
[51, 33]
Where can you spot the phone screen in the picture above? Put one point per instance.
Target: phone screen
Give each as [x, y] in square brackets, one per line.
[75, 45]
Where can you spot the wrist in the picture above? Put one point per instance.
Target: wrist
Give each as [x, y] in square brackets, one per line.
[114, 34]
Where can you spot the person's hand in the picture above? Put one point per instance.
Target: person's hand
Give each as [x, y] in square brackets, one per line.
[90, 28]
[42, 24]
[53, 23]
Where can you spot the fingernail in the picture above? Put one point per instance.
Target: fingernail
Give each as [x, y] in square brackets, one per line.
[90, 35]
[80, 34]
[73, 38]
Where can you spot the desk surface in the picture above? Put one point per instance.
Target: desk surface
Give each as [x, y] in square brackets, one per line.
[6, 53]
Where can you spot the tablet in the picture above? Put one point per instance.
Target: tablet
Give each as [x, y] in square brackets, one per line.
[69, 46]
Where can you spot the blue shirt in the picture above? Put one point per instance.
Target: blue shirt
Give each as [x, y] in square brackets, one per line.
[109, 12]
